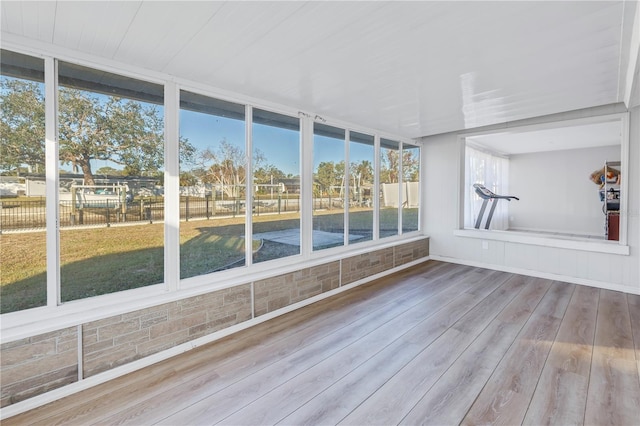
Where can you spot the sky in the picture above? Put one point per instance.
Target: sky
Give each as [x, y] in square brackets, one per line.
[279, 146]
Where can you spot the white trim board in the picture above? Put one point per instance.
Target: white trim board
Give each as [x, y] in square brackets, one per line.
[596, 246]
[540, 274]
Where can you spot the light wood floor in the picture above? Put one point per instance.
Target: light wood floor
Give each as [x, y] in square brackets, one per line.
[438, 344]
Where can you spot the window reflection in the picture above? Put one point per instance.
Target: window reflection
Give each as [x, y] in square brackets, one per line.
[276, 185]
[389, 187]
[23, 281]
[361, 181]
[212, 185]
[111, 152]
[328, 186]
[410, 187]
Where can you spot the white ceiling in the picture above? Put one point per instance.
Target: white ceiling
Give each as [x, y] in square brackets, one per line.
[407, 68]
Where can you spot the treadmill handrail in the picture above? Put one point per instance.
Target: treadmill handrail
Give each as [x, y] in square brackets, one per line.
[486, 194]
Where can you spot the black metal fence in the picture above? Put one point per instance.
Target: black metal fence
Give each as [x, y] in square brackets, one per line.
[17, 214]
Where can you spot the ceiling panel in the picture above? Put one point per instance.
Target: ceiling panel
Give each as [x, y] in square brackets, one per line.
[409, 68]
[95, 27]
[154, 31]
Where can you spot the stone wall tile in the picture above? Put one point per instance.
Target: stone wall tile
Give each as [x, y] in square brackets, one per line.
[118, 328]
[95, 348]
[38, 364]
[177, 324]
[16, 392]
[154, 318]
[30, 351]
[278, 292]
[132, 338]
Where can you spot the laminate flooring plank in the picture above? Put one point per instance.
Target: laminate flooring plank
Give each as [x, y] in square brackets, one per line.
[341, 398]
[326, 316]
[395, 399]
[561, 394]
[506, 396]
[454, 393]
[634, 312]
[208, 403]
[447, 332]
[286, 398]
[614, 391]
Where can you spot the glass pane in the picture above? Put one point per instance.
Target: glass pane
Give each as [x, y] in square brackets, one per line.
[276, 185]
[111, 174]
[410, 187]
[389, 185]
[361, 179]
[328, 186]
[23, 281]
[212, 185]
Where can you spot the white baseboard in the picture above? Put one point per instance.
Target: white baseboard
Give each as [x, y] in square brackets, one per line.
[540, 274]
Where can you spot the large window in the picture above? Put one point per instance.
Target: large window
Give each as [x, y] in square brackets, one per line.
[212, 185]
[96, 213]
[23, 281]
[328, 186]
[276, 185]
[361, 186]
[111, 148]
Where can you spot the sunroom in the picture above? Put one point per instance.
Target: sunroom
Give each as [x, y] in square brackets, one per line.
[174, 172]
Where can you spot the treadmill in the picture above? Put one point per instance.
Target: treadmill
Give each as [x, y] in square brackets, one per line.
[487, 196]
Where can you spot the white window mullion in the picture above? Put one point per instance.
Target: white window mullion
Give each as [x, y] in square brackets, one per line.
[52, 185]
[346, 182]
[421, 189]
[172, 186]
[401, 188]
[376, 188]
[306, 184]
[248, 229]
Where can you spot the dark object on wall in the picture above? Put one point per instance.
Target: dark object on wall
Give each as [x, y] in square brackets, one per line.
[613, 226]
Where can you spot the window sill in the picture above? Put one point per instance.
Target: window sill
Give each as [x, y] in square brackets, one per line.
[571, 243]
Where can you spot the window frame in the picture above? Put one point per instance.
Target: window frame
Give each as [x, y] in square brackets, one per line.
[56, 313]
[539, 239]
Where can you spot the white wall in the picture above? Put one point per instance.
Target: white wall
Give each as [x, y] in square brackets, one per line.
[556, 194]
[441, 158]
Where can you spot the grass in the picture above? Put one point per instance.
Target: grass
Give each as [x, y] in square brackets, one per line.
[95, 261]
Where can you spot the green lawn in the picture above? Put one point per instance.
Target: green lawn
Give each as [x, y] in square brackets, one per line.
[105, 260]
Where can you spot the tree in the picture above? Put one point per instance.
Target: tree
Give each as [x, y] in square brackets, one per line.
[226, 166]
[362, 172]
[267, 175]
[188, 179]
[124, 132]
[108, 171]
[389, 166]
[264, 174]
[22, 125]
[410, 166]
[325, 176]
